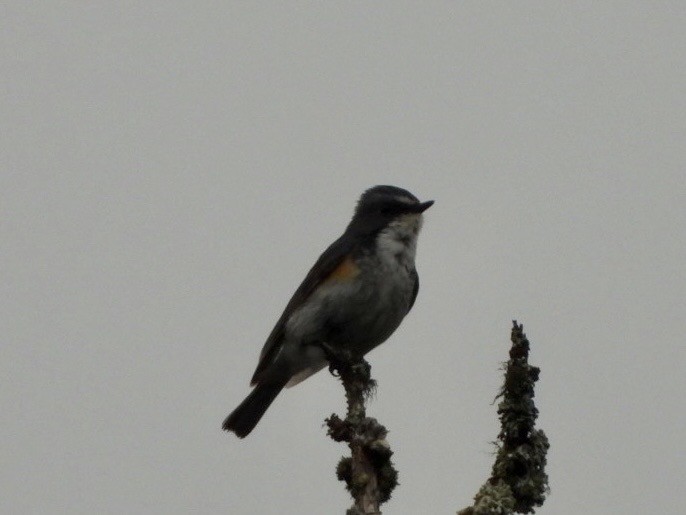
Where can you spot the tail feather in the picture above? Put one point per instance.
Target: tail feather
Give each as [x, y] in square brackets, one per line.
[246, 416]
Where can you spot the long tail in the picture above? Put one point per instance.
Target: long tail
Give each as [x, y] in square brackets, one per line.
[246, 416]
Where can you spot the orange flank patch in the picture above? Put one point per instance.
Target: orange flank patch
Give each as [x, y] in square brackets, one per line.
[345, 271]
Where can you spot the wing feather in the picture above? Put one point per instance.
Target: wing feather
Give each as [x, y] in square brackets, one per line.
[327, 263]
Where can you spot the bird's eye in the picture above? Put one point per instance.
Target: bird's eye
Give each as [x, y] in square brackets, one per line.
[391, 209]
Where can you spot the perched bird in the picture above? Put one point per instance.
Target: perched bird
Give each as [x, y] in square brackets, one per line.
[353, 298]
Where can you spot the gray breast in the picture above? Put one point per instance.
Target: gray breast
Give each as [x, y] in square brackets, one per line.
[379, 304]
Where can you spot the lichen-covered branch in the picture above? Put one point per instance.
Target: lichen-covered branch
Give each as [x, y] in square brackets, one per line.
[518, 481]
[368, 472]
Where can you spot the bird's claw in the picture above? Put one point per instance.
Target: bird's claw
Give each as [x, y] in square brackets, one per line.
[339, 359]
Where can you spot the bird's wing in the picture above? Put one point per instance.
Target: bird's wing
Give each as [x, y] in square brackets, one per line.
[334, 263]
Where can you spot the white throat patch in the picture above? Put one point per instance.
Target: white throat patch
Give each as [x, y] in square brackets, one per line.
[397, 243]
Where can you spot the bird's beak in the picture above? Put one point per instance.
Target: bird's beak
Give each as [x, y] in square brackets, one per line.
[424, 206]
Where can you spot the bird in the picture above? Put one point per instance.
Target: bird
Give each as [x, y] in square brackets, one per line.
[353, 298]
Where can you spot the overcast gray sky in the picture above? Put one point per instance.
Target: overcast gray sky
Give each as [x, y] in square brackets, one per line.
[171, 170]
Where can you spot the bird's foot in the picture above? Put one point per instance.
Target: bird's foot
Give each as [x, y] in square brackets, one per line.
[341, 360]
